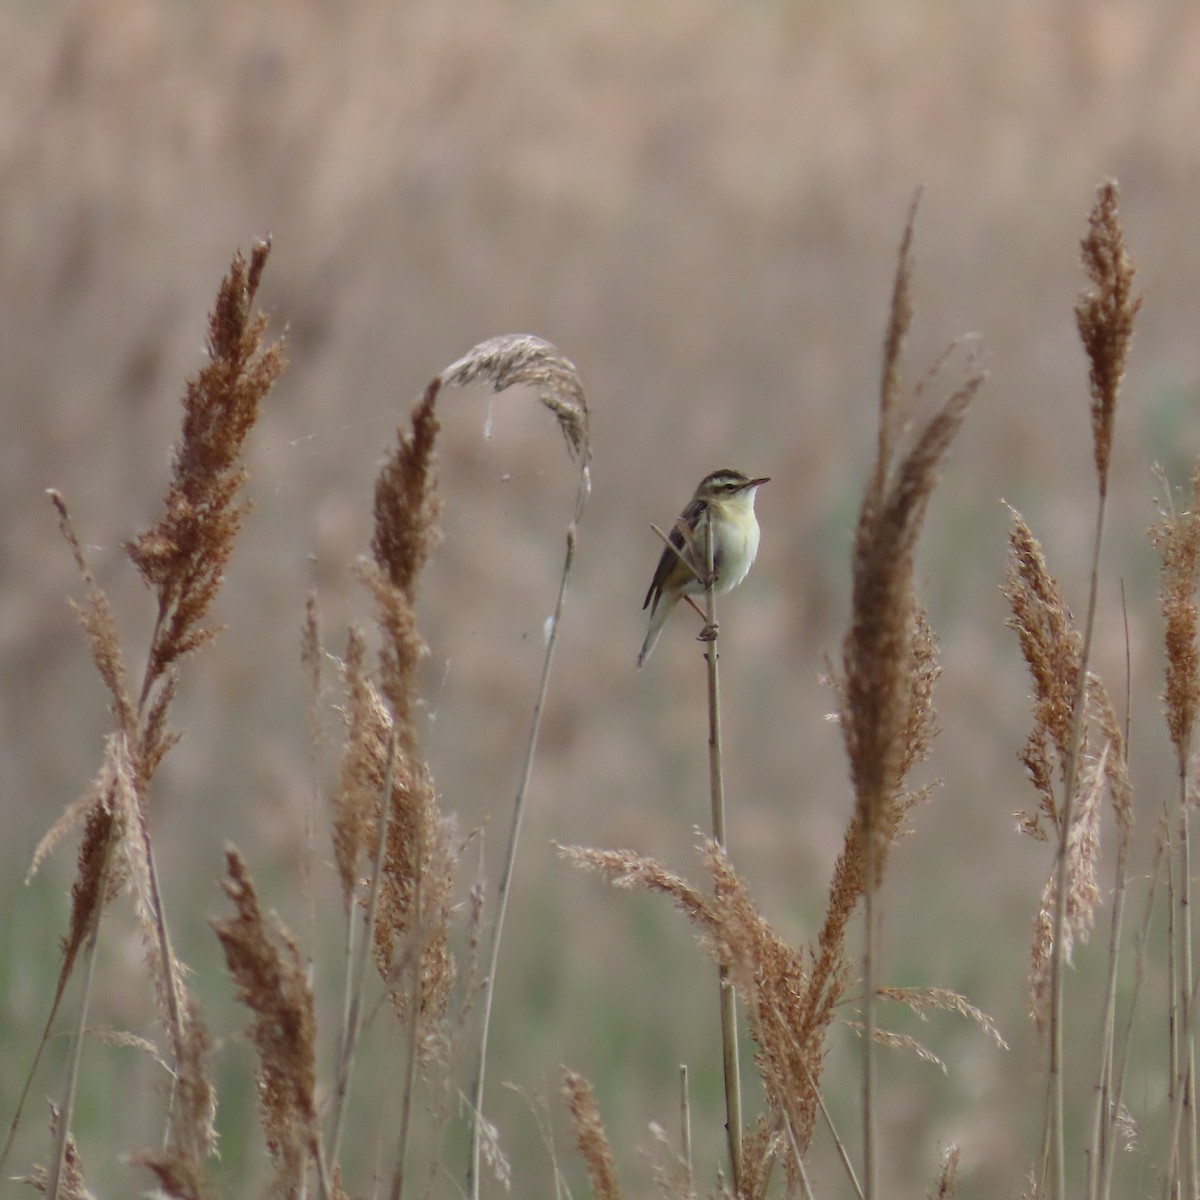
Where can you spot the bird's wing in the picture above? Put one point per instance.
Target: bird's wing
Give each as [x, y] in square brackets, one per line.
[669, 559]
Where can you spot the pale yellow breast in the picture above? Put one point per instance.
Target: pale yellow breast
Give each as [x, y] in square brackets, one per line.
[739, 545]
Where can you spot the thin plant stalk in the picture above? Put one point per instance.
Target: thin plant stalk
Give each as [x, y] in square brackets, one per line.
[1188, 1049]
[868, 1076]
[685, 1130]
[728, 995]
[506, 875]
[801, 1170]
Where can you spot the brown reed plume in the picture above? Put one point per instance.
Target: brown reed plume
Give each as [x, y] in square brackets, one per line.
[386, 817]
[1053, 650]
[1105, 317]
[269, 971]
[876, 687]
[418, 863]
[181, 558]
[590, 1137]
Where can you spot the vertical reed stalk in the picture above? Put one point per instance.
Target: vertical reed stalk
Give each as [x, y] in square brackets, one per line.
[716, 782]
[868, 1075]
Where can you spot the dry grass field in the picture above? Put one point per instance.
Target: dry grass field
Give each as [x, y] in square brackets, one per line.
[700, 204]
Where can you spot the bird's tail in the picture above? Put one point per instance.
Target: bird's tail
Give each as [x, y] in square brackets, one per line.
[657, 620]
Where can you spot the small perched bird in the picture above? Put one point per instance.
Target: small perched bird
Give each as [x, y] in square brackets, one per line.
[727, 499]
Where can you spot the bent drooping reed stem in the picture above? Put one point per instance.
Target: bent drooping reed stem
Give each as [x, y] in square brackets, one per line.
[507, 361]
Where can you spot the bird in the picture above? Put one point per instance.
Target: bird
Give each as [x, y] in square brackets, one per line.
[728, 496]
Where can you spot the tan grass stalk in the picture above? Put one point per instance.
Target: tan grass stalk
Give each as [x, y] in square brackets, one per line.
[877, 659]
[590, 1137]
[685, 1132]
[272, 982]
[527, 361]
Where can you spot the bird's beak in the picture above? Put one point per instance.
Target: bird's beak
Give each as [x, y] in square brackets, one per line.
[755, 483]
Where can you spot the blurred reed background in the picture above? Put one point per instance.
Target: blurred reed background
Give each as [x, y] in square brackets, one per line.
[699, 203]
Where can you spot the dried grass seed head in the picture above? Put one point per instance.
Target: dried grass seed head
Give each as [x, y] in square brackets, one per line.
[522, 358]
[272, 982]
[1177, 539]
[406, 503]
[1105, 317]
[590, 1137]
[1053, 650]
[183, 555]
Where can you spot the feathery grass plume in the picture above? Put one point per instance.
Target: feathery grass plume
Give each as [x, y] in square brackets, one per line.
[419, 855]
[95, 807]
[1106, 1126]
[71, 1182]
[945, 1186]
[363, 767]
[1083, 892]
[939, 999]
[182, 556]
[876, 654]
[1053, 648]
[789, 1007]
[523, 359]
[590, 1136]
[762, 1148]
[878, 657]
[1177, 539]
[1105, 319]
[271, 981]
